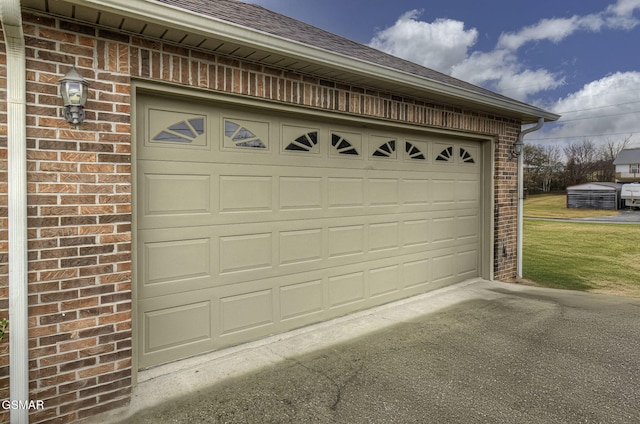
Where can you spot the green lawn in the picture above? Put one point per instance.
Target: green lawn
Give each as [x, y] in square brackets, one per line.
[601, 258]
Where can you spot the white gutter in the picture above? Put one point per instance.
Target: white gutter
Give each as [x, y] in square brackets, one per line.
[519, 234]
[11, 18]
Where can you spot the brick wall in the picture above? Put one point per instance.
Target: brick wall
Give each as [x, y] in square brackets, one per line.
[506, 206]
[79, 186]
[79, 217]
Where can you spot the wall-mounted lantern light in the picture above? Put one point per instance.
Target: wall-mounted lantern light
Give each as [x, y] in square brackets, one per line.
[73, 89]
[518, 149]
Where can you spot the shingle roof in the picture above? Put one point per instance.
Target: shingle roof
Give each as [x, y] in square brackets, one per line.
[261, 19]
[627, 156]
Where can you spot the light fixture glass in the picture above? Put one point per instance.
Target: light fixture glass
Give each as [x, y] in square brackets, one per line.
[74, 89]
[518, 148]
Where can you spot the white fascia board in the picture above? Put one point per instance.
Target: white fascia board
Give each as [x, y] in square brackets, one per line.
[186, 20]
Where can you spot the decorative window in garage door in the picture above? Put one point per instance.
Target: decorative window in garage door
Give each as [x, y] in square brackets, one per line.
[166, 127]
[386, 150]
[413, 152]
[245, 134]
[304, 143]
[466, 156]
[345, 146]
[446, 155]
[182, 132]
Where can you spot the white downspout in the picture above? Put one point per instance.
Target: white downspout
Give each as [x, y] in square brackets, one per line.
[11, 18]
[519, 234]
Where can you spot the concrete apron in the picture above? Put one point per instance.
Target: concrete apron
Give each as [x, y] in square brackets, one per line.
[160, 384]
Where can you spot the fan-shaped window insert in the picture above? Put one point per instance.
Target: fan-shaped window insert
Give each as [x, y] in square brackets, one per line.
[242, 137]
[386, 150]
[446, 155]
[182, 132]
[343, 146]
[466, 156]
[413, 151]
[304, 143]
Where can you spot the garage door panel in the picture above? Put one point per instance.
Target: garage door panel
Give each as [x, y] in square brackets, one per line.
[467, 263]
[467, 226]
[174, 261]
[443, 191]
[177, 194]
[384, 191]
[174, 193]
[301, 299]
[467, 191]
[250, 223]
[245, 252]
[416, 191]
[444, 229]
[384, 280]
[243, 193]
[177, 260]
[162, 332]
[246, 311]
[443, 267]
[301, 192]
[416, 273]
[301, 246]
[166, 329]
[346, 240]
[345, 192]
[384, 236]
[415, 232]
[346, 288]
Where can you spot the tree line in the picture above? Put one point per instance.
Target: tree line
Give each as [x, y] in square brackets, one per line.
[550, 168]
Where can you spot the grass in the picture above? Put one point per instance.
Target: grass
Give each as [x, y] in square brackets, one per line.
[599, 258]
[555, 206]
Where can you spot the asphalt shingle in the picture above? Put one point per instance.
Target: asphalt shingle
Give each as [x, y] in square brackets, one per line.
[258, 18]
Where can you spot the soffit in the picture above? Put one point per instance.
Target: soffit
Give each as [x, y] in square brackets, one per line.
[172, 24]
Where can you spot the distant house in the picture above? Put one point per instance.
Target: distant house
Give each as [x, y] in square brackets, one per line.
[627, 165]
[594, 196]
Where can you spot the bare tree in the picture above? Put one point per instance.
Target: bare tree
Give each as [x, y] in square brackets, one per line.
[610, 150]
[605, 170]
[581, 162]
[543, 168]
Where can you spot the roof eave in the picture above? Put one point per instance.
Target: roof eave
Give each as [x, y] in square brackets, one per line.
[178, 18]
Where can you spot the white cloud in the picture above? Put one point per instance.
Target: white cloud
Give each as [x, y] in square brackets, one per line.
[501, 70]
[616, 16]
[438, 45]
[549, 29]
[606, 109]
[444, 45]
[624, 7]
[521, 83]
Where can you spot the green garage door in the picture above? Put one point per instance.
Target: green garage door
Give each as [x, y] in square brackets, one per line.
[251, 223]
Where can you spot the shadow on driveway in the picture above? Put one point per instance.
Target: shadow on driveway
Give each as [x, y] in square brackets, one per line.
[529, 355]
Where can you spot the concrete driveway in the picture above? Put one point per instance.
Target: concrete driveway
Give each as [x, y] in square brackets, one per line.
[477, 352]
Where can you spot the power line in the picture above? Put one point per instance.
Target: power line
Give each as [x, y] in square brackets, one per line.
[560, 121]
[598, 107]
[630, 133]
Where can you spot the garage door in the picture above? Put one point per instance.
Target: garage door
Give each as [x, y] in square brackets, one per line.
[251, 222]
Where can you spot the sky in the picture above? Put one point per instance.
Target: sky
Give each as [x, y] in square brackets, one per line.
[577, 58]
